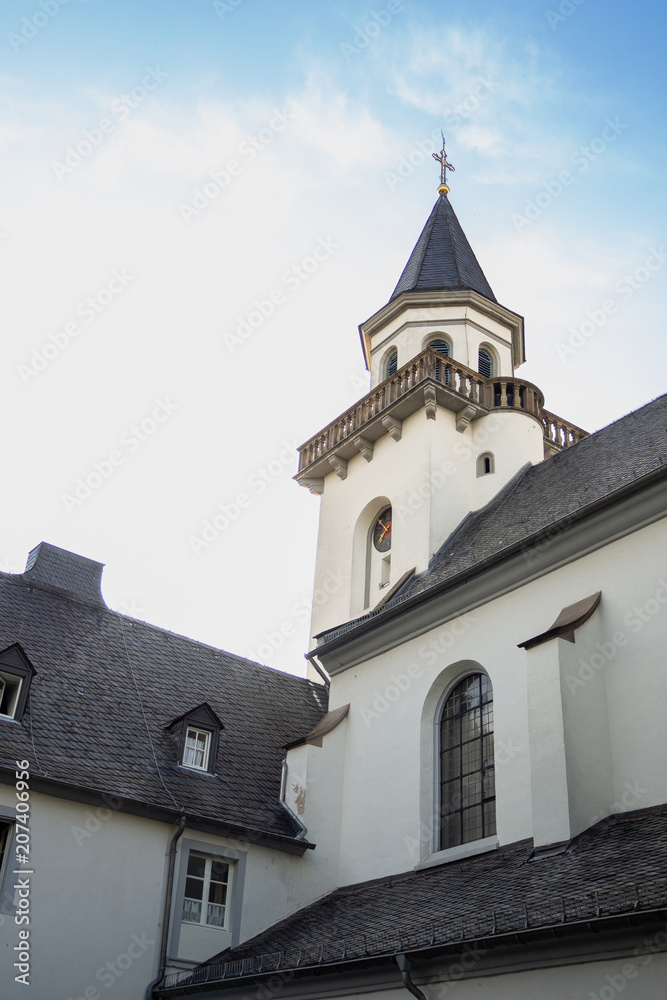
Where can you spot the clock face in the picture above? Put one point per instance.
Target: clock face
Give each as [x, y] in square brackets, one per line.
[382, 531]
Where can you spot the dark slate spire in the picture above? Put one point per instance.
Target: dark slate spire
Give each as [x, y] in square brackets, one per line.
[442, 259]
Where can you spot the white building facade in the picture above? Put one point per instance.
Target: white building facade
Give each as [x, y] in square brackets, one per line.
[491, 788]
[470, 789]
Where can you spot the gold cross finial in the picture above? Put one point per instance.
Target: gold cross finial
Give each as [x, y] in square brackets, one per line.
[444, 167]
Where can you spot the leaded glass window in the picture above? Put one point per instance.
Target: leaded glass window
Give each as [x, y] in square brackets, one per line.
[467, 776]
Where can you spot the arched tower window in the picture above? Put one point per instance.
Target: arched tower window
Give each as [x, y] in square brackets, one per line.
[442, 347]
[438, 344]
[378, 561]
[467, 776]
[391, 364]
[485, 464]
[485, 363]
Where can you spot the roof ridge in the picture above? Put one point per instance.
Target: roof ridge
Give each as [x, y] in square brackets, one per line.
[209, 646]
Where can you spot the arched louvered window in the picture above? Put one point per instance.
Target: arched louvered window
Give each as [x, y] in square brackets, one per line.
[442, 347]
[485, 363]
[467, 784]
[391, 364]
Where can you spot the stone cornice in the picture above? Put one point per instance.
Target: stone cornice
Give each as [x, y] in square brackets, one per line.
[438, 299]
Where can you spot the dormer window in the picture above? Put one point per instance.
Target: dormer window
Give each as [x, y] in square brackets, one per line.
[16, 673]
[196, 734]
[196, 749]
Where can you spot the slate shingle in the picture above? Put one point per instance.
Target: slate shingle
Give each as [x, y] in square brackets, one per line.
[107, 685]
[442, 258]
[621, 852]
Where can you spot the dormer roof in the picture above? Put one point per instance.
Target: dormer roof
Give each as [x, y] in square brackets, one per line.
[202, 714]
[94, 725]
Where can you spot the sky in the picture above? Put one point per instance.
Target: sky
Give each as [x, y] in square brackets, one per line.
[172, 171]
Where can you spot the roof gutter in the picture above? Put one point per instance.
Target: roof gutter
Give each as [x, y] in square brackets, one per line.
[167, 907]
[95, 796]
[311, 657]
[651, 918]
[404, 966]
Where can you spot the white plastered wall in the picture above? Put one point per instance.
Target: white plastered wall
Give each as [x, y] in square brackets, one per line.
[430, 479]
[389, 774]
[95, 895]
[464, 326]
[97, 891]
[637, 977]
[315, 782]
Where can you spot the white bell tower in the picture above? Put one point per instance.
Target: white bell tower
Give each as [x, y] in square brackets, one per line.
[444, 428]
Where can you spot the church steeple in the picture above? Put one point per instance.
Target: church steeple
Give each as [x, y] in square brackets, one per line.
[444, 428]
[442, 259]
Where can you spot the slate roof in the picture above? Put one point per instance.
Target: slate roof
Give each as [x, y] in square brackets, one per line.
[442, 258]
[553, 492]
[559, 488]
[85, 725]
[619, 865]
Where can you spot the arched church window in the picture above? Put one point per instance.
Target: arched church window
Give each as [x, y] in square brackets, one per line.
[485, 363]
[391, 364]
[467, 776]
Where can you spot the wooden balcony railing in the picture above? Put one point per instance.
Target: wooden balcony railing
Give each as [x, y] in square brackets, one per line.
[484, 393]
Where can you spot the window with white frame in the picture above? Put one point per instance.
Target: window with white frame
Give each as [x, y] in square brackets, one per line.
[467, 774]
[206, 890]
[197, 748]
[208, 899]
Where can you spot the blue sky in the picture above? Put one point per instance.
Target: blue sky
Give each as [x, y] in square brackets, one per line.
[317, 120]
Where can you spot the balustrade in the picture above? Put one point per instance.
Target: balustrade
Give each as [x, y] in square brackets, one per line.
[561, 432]
[491, 393]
